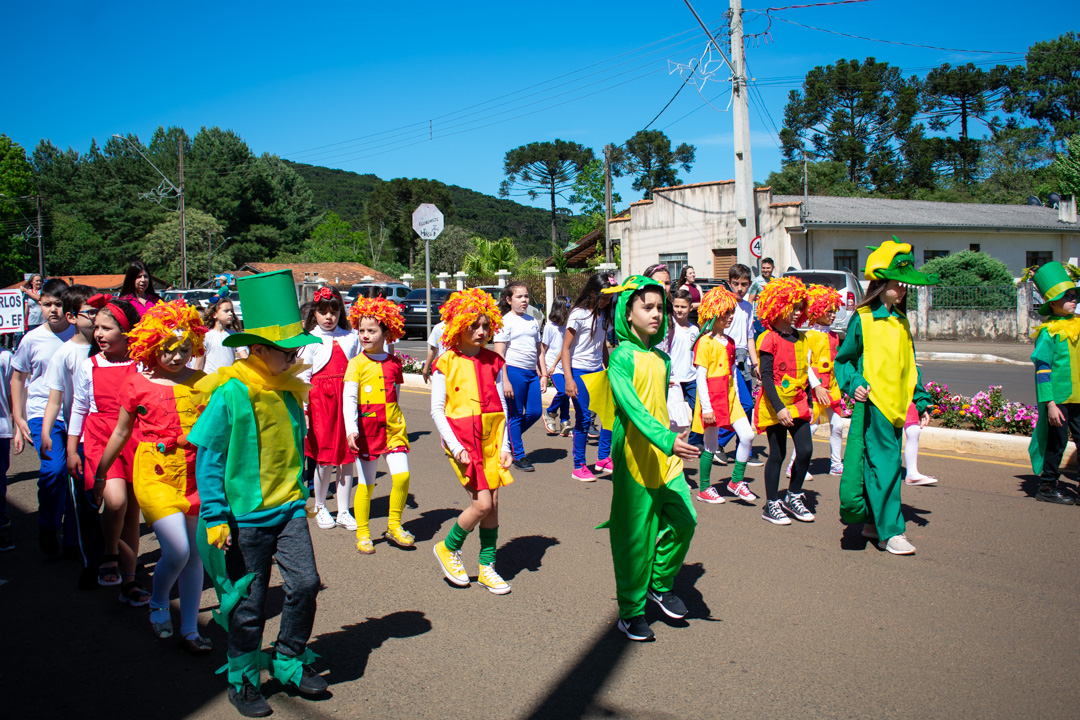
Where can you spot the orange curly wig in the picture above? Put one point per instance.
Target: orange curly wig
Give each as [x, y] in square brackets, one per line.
[385, 311]
[820, 300]
[778, 298]
[462, 310]
[716, 302]
[163, 327]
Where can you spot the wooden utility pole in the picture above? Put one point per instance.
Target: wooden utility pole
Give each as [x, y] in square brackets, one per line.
[607, 204]
[745, 208]
[183, 220]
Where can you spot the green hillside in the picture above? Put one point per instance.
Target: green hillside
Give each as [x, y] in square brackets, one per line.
[344, 192]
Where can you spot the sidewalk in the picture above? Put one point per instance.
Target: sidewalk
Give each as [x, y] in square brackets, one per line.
[960, 350]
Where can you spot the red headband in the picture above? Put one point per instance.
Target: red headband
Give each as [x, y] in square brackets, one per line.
[323, 293]
[101, 301]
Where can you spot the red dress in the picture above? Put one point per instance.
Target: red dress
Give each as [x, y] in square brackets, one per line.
[326, 422]
[99, 426]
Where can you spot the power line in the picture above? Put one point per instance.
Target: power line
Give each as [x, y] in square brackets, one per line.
[889, 42]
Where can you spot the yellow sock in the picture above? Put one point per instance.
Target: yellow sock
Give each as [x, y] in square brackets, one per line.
[362, 509]
[399, 493]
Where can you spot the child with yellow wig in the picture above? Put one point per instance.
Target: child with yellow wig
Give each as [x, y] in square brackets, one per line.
[469, 409]
[784, 407]
[159, 406]
[374, 423]
[718, 406]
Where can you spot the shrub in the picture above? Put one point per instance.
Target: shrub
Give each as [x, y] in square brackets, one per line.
[969, 269]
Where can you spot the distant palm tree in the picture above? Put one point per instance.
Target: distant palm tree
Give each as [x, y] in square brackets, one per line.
[490, 256]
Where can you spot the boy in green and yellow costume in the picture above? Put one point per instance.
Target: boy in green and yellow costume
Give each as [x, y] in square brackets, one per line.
[876, 365]
[652, 517]
[1057, 379]
[249, 468]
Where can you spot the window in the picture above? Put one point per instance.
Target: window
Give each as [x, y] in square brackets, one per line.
[928, 255]
[1038, 258]
[975, 247]
[846, 260]
[723, 259]
[675, 263]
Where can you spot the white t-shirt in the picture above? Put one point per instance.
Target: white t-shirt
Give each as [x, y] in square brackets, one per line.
[682, 351]
[6, 356]
[587, 349]
[36, 351]
[61, 373]
[521, 334]
[553, 338]
[217, 355]
[741, 328]
[435, 341]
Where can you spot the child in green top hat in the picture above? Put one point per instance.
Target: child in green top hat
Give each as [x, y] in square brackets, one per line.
[249, 467]
[1057, 365]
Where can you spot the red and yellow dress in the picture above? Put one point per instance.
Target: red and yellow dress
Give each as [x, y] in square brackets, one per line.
[380, 422]
[790, 377]
[823, 346]
[475, 413]
[718, 360]
[164, 464]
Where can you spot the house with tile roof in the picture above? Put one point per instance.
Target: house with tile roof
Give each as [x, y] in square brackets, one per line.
[341, 274]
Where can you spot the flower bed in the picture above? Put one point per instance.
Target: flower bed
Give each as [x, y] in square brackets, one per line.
[987, 411]
[409, 364]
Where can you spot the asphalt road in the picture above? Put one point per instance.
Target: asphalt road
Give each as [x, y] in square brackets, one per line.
[804, 621]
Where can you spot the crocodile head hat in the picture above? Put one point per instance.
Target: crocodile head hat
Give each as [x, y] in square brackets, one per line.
[894, 260]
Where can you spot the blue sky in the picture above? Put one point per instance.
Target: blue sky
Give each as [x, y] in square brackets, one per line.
[355, 85]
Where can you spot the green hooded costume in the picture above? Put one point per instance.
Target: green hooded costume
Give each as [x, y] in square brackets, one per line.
[878, 353]
[652, 518]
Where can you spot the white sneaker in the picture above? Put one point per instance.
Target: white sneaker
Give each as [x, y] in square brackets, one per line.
[346, 520]
[551, 423]
[922, 480]
[898, 545]
[720, 458]
[324, 519]
[837, 469]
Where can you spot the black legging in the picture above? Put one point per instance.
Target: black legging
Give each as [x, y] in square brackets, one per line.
[804, 446]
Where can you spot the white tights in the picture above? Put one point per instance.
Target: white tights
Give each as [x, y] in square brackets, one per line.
[344, 485]
[742, 430]
[179, 559]
[396, 463]
[911, 450]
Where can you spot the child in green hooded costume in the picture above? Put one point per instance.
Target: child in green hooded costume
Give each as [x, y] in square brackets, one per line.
[652, 517]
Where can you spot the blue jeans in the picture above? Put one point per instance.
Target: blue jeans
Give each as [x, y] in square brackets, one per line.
[581, 425]
[525, 407]
[689, 391]
[53, 510]
[560, 403]
[746, 399]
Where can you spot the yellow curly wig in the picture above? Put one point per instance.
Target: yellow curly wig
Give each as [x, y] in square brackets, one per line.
[462, 310]
[385, 311]
[716, 302]
[778, 298]
[822, 299]
[164, 326]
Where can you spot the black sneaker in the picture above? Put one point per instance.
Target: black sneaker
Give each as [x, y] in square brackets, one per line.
[774, 513]
[524, 465]
[5, 542]
[248, 701]
[312, 683]
[670, 603]
[48, 541]
[1050, 493]
[793, 503]
[637, 629]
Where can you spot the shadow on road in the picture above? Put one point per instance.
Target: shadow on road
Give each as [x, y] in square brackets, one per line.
[914, 515]
[853, 539]
[546, 456]
[523, 553]
[346, 651]
[429, 522]
[685, 583]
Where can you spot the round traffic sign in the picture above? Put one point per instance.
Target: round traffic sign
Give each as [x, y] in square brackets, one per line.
[755, 247]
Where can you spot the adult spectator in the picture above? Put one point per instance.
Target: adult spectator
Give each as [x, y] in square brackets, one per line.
[686, 280]
[767, 266]
[138, 289]
[32, 314]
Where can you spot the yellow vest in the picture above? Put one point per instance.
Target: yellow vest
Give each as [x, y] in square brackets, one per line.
[889, 364]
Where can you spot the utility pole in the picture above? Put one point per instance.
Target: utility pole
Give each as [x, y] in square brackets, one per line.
[745, 208]
[183, 219]
[40, 242]
[607, 204]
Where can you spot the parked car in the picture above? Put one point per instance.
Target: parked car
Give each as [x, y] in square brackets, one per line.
[706, 284]
[170, 295]
[846, 283]
[200, 297]
[391, 291]
[496, 292]
[415, 310]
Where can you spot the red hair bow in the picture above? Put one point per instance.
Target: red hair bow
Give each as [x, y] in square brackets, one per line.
[104, 300]
[99, 301]
[323, 293]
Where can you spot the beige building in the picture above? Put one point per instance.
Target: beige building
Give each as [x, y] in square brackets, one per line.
[695, 225]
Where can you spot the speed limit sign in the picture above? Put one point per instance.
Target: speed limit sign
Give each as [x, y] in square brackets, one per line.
[755, 247]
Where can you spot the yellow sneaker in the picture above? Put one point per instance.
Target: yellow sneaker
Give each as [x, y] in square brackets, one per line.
[451, 564]
[492, 580]
[364, 545]
[400, 537]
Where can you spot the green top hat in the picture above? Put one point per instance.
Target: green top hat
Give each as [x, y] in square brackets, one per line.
[271, 315]
[1052, 280]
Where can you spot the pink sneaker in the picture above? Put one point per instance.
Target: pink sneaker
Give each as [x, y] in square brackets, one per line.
[604, 467]
[583, 474]
[741, 491]
[710, 496]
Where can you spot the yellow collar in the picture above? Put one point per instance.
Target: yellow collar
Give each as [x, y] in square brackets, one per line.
[1061, 326]
[252, 371]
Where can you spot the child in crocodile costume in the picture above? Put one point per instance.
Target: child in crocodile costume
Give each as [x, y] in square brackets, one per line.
[1057, 387]
[249, 465]
[876, 365]
[652, 517]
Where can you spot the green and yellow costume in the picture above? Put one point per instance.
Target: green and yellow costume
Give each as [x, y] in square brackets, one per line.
[878, 352]
[652, 518]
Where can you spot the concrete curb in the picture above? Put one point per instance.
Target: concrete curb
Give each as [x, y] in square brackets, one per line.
[966, 357]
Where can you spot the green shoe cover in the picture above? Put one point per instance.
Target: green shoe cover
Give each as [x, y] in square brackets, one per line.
[288, 669]
[249, 665]
[229, 593]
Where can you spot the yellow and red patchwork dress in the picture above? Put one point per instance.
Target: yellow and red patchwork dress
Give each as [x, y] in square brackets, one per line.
[475, 412]
[719, 363]
[823, 347]
[379, 417]
[163, 472]
[790, 377]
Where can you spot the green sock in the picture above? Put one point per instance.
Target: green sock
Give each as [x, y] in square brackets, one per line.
[455, 538]
[489, 538]
[705, 471]
[738, 472]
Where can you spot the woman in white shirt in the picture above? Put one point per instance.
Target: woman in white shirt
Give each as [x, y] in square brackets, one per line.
[526, 375]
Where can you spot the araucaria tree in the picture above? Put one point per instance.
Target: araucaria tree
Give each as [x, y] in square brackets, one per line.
[544, 167]
[649, 157]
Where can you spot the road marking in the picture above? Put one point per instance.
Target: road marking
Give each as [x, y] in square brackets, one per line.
[956, 457]
[414, 392]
